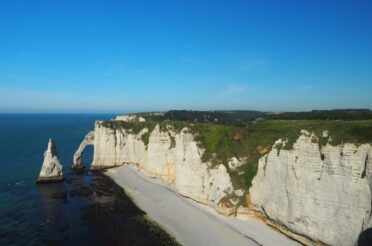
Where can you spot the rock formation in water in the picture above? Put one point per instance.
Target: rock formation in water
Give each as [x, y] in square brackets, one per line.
[88, 140]
[51, 169]
[322, 193]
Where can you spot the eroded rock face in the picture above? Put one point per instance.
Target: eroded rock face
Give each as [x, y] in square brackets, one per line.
[321, 193]
[170, 156]
[194, 178]
[88, 140]
[115, 147]
[52, 168]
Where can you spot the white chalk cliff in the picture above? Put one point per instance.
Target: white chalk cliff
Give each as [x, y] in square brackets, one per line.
[88, 140]
[322, 193]
[173, 157]
[51, 169]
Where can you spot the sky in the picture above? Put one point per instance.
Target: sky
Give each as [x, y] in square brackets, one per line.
[129, 56]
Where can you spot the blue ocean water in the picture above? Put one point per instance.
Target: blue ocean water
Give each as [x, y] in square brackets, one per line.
[33, 214]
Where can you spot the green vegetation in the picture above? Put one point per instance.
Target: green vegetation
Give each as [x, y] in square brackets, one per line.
[134, 127]
[146, 137]
[256, 138]
[237, 117]
[250, 140]
[335, 114]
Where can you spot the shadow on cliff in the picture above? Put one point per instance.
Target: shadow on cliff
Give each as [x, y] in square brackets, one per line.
[365, 238]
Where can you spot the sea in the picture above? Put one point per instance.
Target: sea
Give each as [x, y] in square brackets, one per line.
[87, 208]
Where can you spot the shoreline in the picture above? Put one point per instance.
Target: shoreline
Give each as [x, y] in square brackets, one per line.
[190, 222]
[112, 215]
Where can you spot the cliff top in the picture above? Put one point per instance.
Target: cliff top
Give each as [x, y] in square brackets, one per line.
[252, 139]
[238, 116]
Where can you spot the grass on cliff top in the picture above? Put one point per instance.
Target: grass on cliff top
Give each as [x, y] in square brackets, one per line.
[254, 139]
[136, 127]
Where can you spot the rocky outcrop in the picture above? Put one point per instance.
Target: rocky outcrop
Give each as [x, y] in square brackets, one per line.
[173, 157]
[52, 168]
[321, 193]
[88, 140]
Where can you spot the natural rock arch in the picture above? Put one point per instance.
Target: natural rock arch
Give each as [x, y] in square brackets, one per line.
[88, 140]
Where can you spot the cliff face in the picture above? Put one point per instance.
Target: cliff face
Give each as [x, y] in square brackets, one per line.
[321, 193]
[170, 156]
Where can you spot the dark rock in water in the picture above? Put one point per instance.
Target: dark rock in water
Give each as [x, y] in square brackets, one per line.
[78, 170]
[48, 179]
[81, 191]
[52, 169]
[365, 238]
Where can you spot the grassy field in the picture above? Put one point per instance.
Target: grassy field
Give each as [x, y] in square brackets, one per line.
[252, 139]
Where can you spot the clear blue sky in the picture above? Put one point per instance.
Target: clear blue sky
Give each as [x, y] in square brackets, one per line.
[120, 56]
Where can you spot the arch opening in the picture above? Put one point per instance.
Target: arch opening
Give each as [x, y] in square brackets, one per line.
[86, 146]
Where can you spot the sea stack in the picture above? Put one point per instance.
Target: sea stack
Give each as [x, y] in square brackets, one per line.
[52, 168]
